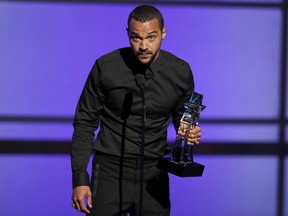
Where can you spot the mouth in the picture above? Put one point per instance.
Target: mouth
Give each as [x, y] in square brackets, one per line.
[144, 55]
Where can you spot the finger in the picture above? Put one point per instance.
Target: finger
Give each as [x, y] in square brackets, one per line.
[193, 135]
[77, 203]
[197, 141]
[77, 206]
[89, 200]
[182, 128]
[195, 130]
[73, 205]
[192, 141]
[83, 207]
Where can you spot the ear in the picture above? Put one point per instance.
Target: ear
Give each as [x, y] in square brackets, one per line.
[163, 33]
[127, 30]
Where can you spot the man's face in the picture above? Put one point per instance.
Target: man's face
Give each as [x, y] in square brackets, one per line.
[145, 39]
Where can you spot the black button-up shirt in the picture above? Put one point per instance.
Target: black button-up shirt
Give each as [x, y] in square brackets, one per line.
[111, 96]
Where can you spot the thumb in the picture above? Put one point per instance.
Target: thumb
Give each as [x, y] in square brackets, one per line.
[89, 200]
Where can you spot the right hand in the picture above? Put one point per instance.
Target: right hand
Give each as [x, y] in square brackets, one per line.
[80, 194]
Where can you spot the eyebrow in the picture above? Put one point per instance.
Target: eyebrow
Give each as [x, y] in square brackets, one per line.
[150, 33]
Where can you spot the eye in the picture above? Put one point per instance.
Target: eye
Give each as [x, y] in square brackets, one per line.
[152, 37]
[134, 38]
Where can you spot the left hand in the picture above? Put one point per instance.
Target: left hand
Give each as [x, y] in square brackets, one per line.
[193, 136]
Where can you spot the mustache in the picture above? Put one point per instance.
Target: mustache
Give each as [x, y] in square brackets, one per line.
[145, 53]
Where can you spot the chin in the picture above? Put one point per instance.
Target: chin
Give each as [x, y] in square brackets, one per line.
[145, 61]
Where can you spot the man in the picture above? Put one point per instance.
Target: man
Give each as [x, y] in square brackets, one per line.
[112, 97]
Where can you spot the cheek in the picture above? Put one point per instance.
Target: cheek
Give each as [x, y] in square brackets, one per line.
[155, 46]
[134, 46]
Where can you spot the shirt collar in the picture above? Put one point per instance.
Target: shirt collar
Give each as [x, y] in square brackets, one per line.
[149, 71]
[155, 66]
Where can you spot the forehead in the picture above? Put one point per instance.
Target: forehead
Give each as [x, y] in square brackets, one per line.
[144, 27]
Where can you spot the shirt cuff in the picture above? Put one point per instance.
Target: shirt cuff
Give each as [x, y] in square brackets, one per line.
[80, 179]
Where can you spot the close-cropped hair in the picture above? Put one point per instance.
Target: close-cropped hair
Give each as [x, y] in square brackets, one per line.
[144, 13]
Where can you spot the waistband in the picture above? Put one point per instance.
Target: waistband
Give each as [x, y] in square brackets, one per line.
[127, 162]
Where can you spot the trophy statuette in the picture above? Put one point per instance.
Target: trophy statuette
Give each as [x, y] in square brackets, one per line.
[181, 161]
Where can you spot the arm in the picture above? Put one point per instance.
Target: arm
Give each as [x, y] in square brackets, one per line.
[187, 88]
[85, 123]
[195, 132]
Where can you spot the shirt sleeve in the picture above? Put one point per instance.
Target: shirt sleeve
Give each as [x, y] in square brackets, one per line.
[85, 123]
[188, 89]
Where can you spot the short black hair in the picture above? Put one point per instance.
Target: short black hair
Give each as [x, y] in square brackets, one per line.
[144, 13]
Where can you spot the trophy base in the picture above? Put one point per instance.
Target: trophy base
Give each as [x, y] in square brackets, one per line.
[182, 170]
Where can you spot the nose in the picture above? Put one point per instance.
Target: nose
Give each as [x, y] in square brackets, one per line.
[143, 46]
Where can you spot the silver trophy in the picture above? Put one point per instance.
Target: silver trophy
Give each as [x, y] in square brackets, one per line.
[181, 161]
